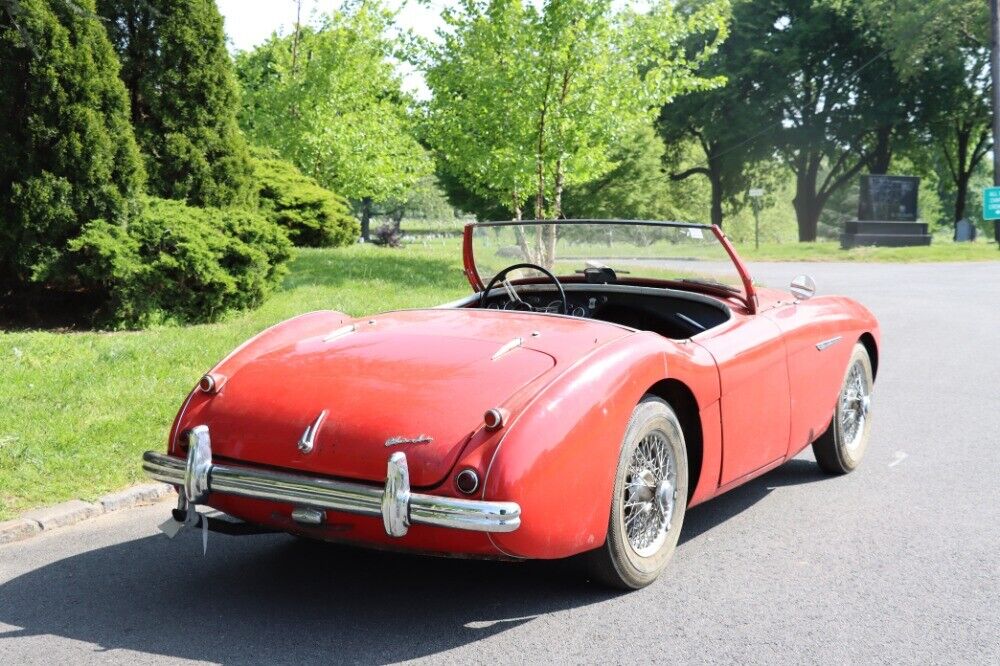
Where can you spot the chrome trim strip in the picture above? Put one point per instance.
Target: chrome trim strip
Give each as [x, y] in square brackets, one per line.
[507, 347]
[308, 440]
[340, 332]
[828, 343]
[683, 317]
[393, 502]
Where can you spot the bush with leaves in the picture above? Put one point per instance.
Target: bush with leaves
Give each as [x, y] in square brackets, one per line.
[69, 155]
[184, 98]
[313, 215]
[387, 235]
[181, 263]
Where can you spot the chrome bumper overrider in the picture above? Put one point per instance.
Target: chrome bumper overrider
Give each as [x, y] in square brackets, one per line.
[198, 476]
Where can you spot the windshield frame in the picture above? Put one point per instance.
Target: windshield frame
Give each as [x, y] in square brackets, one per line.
[749, 298]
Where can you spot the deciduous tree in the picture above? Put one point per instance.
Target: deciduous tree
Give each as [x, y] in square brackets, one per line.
[330, 100]
[531, 100]
[840, 100]
[942, 48]
[638, 187]
[733, 130]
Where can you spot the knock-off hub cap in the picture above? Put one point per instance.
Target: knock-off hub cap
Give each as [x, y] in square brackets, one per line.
[644, 486]
[665, 496]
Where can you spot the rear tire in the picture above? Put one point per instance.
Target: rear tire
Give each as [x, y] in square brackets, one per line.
[840, 449]
[648, 502]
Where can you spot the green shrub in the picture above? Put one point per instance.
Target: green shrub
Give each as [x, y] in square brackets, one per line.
[313, 215]
[67, 151]
[181, 263]
[184, 98]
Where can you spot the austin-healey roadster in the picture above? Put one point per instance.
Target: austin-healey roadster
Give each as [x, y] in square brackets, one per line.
[601, 378]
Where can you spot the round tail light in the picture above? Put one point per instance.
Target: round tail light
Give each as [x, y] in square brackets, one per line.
[211, 383]
[494, 418]
[467, 481]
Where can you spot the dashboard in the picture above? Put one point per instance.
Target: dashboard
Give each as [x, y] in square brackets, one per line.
[579, 305]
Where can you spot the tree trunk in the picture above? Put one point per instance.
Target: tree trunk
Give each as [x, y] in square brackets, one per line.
[882, 153]
[540, 170]
[522, 239]
[715, 179]
[962, 173]
[807, 215]
[807, 205]
[295, 40]
[549, 230]
[809, 200]
[366, 219]
[961, 195]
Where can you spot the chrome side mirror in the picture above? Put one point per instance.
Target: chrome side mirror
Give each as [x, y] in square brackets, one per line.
[803, 287]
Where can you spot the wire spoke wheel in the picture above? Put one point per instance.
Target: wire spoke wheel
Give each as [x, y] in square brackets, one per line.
[648, 501]
[841, 448]
[649, 493]
[855, 401]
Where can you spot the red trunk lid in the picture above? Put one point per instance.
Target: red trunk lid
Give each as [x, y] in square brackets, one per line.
[396, 378]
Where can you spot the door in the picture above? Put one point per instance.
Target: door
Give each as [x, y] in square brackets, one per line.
[818, 338]
[753, 376]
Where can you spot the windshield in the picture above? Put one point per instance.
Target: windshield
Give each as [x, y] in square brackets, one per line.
[665, 251]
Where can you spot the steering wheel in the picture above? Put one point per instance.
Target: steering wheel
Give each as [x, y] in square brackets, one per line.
[520, 304]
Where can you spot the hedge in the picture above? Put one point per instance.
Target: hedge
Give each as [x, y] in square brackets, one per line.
[314, 216]
[181, 263]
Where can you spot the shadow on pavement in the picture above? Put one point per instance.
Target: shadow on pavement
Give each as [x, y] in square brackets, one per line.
[276, 599]
[705, 516]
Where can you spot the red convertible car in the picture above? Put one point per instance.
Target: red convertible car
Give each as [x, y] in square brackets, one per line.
[602, 377]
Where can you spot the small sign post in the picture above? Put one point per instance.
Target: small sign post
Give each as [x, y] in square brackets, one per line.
[755, 194]
[991, 203]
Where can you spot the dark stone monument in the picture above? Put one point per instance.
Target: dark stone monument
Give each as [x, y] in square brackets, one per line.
[965, 231]
[887, 214]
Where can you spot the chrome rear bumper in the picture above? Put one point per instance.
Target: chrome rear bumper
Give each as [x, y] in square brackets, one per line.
[198, 476]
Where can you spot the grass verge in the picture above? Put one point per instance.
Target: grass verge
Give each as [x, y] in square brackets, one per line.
[78, 409]
[939, 251]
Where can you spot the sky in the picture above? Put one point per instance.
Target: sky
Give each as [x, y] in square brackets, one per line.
[250, 22]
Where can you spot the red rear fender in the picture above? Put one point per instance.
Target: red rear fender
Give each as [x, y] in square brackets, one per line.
[558, 457]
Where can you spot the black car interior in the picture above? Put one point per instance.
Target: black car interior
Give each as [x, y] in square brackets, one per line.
[673, 317]
[670, 313]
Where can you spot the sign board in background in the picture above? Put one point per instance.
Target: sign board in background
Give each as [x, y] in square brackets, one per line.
[888, 198]
[991, 203]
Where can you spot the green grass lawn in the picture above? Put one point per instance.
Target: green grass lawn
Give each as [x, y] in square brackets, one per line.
[78, 409]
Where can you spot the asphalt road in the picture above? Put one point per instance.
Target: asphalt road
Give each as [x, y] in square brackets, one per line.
[898, 562]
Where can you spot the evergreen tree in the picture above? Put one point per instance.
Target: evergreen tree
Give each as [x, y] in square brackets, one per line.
[69, 155]
[184, 98]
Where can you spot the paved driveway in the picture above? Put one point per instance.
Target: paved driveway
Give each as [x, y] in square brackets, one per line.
[898, 562]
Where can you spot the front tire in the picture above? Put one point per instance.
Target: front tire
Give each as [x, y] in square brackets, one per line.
[840, 449]
[649, 499]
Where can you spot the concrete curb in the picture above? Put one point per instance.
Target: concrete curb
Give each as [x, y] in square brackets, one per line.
[37, 521]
